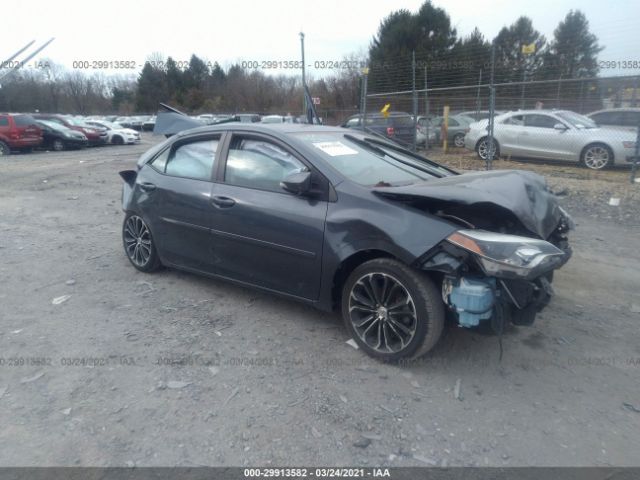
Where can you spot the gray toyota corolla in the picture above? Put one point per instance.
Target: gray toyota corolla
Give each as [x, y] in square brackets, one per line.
[347, 221]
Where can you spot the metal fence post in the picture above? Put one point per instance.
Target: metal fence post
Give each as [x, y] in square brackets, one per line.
[426, 107]
[636, 157]
[415, 100]
[478, 93]
[492, 102]
[365, 81]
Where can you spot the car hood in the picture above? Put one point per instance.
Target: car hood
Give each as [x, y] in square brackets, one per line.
[524, 195]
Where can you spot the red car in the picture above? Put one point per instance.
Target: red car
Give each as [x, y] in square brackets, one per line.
[18, 132]
[95, 135]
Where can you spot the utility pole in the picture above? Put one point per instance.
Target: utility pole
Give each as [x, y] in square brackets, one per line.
[304, 80]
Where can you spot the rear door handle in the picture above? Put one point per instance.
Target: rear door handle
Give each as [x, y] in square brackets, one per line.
[147, 187]
[222, 202]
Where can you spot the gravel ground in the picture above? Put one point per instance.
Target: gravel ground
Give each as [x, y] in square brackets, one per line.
[102, 365]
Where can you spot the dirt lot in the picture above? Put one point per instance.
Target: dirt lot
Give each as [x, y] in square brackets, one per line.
[173, 369]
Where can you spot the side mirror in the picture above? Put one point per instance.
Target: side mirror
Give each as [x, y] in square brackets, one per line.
[297, 183]
[560, 126]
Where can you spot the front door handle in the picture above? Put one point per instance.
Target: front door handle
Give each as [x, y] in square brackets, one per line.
[222, 202]
[147, 187]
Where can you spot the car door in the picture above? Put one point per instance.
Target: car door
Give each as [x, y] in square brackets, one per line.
[261, 234]
[175, 190]
[539, 138]
[507, 132]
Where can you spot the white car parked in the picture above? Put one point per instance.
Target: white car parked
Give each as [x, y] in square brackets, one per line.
[552, 135]
[116, 133]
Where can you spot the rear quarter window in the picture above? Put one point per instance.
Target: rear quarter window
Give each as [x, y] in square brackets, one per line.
[4, 121]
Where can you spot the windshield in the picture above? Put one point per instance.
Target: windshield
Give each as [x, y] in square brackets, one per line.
[366, 163]
[577, 120]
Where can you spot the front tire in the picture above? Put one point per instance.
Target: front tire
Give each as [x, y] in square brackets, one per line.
[458, 140]
[392, 311]
[138, 244]
[597, 156]
[117, 140]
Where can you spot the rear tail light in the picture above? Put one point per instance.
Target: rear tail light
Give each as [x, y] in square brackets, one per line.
[390, 131]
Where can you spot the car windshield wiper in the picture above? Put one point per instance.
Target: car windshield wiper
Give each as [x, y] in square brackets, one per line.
[365, 144]
[431, 167]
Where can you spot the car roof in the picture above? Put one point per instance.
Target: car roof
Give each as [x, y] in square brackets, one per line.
[282, 128]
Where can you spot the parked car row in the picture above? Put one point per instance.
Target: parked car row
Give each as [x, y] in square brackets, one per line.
[24, 132]
[598, 140]
[213, 119]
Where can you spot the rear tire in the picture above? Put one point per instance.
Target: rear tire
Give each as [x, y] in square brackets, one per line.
[482, 149]
[4, 149]
[392, 311]
[458, 140]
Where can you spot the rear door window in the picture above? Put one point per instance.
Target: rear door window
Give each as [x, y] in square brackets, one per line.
[540, 121]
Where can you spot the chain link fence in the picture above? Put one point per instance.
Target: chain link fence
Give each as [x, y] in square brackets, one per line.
[540, 125]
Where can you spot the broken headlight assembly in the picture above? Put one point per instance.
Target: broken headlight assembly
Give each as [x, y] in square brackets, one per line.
[509, 256]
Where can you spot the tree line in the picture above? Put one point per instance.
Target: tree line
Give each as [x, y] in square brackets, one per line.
[425, 40]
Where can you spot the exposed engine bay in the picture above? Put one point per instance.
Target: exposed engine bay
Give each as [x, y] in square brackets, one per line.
[499, 266]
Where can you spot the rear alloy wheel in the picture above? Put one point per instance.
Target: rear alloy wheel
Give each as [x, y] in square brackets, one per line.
[392, 311]
[482, 149]
[138, 244]
[458, 140]
[58, 145]
[4, 149]
[597, 156]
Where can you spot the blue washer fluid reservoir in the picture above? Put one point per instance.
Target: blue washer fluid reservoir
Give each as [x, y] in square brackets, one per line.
[473, 299]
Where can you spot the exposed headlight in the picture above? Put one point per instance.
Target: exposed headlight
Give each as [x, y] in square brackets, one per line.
[508, 255]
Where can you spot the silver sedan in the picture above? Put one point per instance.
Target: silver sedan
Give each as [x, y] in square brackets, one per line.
[552, 135]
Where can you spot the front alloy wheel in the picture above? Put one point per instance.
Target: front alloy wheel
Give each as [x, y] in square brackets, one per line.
[458, 140]
[597, 157]
[138, 244]
[391, 310]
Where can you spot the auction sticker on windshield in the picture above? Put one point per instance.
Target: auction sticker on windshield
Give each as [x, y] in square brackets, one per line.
[335, 149]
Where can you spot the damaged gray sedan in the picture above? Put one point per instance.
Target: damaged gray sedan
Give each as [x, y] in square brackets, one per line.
[345, 221]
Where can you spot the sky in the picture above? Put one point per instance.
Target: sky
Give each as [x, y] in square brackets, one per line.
[229, 31]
